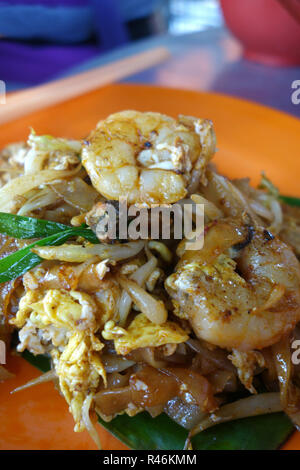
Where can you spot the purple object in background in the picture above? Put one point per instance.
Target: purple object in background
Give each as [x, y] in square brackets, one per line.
[32, 64]
[50, 3]
[43, 39]
[109, 24]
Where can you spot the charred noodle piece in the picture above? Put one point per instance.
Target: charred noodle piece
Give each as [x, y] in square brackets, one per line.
[254, 405]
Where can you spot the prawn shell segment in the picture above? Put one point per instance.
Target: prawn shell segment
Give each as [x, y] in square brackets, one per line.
[246, 303]
[147, 157]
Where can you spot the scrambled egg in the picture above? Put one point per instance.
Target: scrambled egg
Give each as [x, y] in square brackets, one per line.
[187, 278]
[65, 323]
[68, 321]
[79, 369]
[223, 270]
[246, 364]
[142, 333]
[60, 308]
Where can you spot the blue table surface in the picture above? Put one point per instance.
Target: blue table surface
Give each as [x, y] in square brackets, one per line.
[211, 60]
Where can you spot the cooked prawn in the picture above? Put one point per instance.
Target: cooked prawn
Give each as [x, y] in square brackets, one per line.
[249, 302]
[148, 157]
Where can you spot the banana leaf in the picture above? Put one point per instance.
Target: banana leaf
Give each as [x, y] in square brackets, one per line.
[141, 432]
[292, 201]
[21, 227]
[23, 260]
[266, 432]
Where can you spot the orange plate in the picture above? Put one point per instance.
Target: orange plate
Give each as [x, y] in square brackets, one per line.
[251, 138]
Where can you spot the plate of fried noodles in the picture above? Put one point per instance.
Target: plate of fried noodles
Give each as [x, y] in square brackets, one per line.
[163, 345]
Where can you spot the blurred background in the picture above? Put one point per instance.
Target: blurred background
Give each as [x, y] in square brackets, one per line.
[232, 46]
[187, 16]
[40, 39]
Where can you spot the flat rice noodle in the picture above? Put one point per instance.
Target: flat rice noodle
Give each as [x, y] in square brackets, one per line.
[227, 197]
[223, 381]
[197, 385]
[147, 388]
[61, 214]
[219, 237]
[117, 380]
[78, 253]
[147, 356]
[77, 193]
[186, 415]
[42, 198]
[8, 245]
[111, 401]
[22, 184]
[151, 387]
[289, 392]
[210, 209]
[155, 411]
[114, 363]
[254, 405]
[217, 356]
[34, 161]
